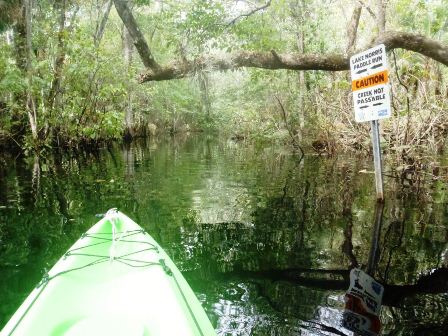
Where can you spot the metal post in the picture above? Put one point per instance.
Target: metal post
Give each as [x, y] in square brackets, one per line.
[377, 161]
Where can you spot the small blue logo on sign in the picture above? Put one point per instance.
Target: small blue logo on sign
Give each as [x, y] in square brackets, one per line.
[376, 287]
[382, 113]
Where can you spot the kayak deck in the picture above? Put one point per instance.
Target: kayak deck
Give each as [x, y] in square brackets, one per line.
[115, 280]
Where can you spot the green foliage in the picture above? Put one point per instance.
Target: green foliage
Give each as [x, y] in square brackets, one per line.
[12, 81]
[9, 12]
[175, 103]
[97, 87]
[202, 22]
[428, 17]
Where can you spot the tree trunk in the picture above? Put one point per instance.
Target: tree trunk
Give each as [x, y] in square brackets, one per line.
[381, 16]
[30, 103]
[352, 32]
[138, 39]
[127, 56]
[60, 57]
[127, 48]
[298, 13]
[352, 28]
[100, 30]
[205, 95]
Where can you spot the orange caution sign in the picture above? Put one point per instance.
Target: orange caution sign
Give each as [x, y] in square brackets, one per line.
[372, 80]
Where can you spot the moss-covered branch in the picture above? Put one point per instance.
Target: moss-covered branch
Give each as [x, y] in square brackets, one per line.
[293, 61]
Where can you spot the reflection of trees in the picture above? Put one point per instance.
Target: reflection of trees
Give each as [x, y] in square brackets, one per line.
[426, 313]
[296, 225]
[414, 237]
[294, 231]
[298, 231]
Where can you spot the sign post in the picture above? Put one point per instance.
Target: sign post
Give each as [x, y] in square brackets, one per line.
[375, 125]
[371, 99]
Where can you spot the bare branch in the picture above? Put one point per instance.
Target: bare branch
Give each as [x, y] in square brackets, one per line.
[368, 9]
[295, 144]
[253, 11]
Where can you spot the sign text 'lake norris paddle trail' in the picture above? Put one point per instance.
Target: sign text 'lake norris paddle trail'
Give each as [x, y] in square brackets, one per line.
[370, 84]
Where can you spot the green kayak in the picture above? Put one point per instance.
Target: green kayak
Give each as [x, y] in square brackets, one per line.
[115, 280]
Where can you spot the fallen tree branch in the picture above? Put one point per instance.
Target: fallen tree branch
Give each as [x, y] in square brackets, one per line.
[294, 61]
[251, 59]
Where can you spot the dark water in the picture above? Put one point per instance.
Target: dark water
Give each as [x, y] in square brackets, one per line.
[265, 240]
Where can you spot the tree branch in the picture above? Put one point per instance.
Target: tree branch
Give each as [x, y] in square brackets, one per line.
[295, 61]
[368, 9]
[251, 59]
[100, 29]
[253, 11]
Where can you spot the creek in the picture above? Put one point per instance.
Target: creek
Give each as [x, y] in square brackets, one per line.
[266, 240]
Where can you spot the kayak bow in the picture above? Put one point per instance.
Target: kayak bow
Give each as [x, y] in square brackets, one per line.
[115, 280]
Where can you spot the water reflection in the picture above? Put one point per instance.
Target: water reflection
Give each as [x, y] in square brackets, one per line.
[266, 240]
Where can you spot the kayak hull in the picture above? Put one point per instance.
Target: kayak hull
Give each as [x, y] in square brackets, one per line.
[115, 280]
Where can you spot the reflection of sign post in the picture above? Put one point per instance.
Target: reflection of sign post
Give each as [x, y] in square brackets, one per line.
[371, 98]
[364, 296]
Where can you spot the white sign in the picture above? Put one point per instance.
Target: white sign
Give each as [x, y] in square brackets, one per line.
[367, 289]
[370, 84]
[363, 304]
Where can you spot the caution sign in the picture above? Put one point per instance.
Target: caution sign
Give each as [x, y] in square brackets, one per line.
[369, 81]
[370, 84]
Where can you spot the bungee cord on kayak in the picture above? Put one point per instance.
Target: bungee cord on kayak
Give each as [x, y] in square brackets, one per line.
[104, 240]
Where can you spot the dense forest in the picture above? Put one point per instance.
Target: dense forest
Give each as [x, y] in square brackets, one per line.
[76, 72]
